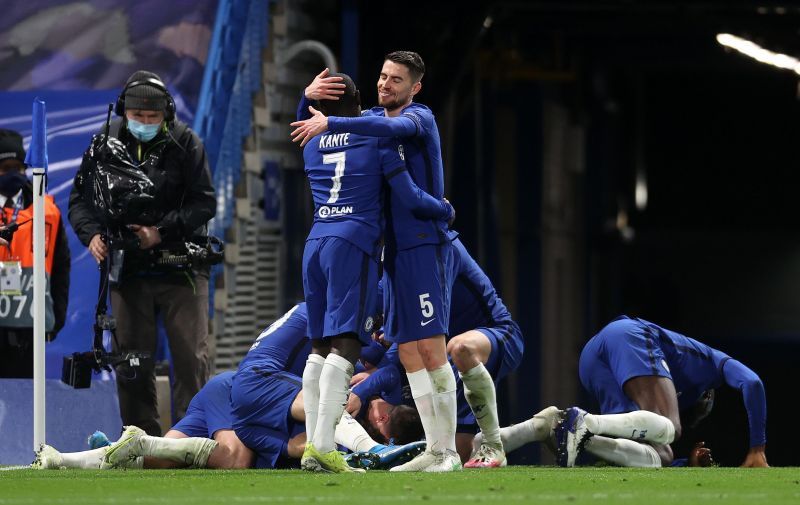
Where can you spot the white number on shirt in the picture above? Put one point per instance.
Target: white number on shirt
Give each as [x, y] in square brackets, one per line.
[337, 158]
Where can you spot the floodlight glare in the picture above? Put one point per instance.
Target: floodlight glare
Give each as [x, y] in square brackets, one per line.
[758, 53]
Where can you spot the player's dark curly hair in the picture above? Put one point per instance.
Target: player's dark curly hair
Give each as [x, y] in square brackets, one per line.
[348, 104]
[412, 60]
[405, 425]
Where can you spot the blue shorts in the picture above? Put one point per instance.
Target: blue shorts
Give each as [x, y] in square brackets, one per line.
[506, 355]
[210, 409]
[262, 418]
[624, 349]
[340, 284]
[417, 290]
[507, 348]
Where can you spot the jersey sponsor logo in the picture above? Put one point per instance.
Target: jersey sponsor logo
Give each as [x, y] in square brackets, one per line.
[325, 211]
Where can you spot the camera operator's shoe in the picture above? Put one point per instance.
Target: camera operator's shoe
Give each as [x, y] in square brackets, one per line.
[127, 448]
[330, 462]
[47, 458]
[571, 436]
[487, 456]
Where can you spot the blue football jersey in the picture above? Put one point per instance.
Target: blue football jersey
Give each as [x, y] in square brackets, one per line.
[346, 173]
[417, 129]
[283, 345]
[474, 301]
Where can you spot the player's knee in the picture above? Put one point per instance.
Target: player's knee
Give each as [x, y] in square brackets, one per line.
[347, 346]
[459, 350]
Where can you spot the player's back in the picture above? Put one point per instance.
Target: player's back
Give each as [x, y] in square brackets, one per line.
[345, 174]
[695, 367]
[475, 301]
[423, 155]
[282, 346]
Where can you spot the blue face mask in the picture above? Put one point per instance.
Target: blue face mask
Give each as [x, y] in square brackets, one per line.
[143, 132]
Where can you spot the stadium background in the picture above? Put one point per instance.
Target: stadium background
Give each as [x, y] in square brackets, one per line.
[551, 113]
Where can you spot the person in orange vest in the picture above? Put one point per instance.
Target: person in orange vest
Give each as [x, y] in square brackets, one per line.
[16, 262]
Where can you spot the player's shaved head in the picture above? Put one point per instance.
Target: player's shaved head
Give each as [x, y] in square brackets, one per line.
[348, 104]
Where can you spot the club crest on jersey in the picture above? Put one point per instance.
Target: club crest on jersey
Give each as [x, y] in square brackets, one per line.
[325, 211]
[401, 152]
[368, 324]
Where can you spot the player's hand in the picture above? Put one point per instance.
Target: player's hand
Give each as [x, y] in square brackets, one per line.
[307, 129]
[379, 337]
[700, 455]
[353, 404]
[149, 236]
[756, 458]
[358, 378]
[98, 248]
[324, 87]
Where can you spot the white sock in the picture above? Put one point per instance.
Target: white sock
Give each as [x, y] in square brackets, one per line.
[352, 435]
[444, 403]
[84, 459]
[311, 375]
[334, 384]
[623, 452]
[480, 394]
[515, 436]
[422, 392]
[192, 451]
[640, 425]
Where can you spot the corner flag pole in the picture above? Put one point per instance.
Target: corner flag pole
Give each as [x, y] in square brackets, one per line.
[37, 158]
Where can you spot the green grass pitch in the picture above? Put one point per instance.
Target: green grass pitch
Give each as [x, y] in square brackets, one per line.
[518, 484]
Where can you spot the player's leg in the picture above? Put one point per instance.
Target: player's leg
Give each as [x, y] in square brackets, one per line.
[49, 458]
[624, 452]
[135, 443]
[350, 276]
[231, 452]
[334, 385]
[470, 351]
[539, 428]
[314, 288]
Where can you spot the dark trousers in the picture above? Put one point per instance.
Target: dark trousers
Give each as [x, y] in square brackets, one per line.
[183, 304]
[16, 353]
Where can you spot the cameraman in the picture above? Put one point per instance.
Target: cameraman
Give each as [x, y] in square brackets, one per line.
[16, 253]
[173, 158]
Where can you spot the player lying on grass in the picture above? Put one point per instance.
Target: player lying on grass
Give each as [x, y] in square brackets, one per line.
[237, 421]
[643, 376]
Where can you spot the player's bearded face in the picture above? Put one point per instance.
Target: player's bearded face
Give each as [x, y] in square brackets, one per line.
[394, 86]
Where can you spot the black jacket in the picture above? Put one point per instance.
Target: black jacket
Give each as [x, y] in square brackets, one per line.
[183, 187]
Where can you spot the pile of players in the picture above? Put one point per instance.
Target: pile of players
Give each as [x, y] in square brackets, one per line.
[382, 263]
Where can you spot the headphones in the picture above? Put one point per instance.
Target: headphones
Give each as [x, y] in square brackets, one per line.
[169, 109]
